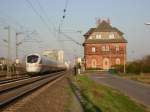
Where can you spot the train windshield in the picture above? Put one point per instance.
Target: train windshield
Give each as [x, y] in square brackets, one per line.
[32, 58]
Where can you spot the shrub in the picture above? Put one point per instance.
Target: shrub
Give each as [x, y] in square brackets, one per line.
[118, 68]
[134, 67]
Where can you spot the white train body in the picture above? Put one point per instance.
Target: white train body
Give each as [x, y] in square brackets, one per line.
[36, 63]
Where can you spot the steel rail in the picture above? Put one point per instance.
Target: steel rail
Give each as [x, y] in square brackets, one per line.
[15, 84]
[11, 93]
[3, 81]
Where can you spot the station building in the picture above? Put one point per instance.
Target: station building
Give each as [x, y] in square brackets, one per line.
[104, 47]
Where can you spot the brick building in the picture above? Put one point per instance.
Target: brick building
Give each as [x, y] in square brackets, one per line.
[104, 47]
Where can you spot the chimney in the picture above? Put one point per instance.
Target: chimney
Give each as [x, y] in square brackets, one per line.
[108, 21]
[98, 21]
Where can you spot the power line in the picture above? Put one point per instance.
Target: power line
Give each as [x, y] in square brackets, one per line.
[65, 9]
[61, 23]
[9, 20]
[70, 38]
[38, 14]
[44, 12]
[64, 14]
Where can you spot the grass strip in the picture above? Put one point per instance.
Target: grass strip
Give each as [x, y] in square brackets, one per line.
[99, 98]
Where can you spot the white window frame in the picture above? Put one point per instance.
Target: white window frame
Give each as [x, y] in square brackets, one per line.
[98, 36]
[111, 36]
[93, 49]
[107, 48]
[103, 48]
[90, 37]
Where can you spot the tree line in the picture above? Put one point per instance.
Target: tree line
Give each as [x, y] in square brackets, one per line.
[136, 66]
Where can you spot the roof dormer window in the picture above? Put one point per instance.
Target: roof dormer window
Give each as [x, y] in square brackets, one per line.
[98, 36]
[90, 37]
[111, 36]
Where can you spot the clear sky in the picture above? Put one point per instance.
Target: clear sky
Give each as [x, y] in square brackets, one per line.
[127, 15]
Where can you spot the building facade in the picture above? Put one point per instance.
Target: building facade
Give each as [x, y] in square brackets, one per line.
[104, 47]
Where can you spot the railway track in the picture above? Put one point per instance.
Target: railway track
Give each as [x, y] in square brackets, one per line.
[3, 81]
[13, 90]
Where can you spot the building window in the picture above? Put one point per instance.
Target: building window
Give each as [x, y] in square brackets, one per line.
[117, 47]
[117, 61]
[93, 63]
[98, 36]
[111, 36]
[105, 48]
[90, 37]
[93, 49]
[106, 64]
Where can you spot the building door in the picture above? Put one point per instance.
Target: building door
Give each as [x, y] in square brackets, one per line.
[105, 63]
[93, 63]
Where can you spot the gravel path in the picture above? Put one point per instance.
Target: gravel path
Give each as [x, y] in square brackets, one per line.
[49, 98]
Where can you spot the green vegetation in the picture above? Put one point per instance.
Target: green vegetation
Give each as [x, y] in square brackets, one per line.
[136, 67]
[99, 98]
[69, 93]
[143, 78]
[94, 69]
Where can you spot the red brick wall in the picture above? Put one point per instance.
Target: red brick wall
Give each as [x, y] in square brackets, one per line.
[99, 55]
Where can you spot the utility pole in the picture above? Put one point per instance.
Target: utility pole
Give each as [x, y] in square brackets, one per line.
[124, 67]
[17, 45]
[8, 52]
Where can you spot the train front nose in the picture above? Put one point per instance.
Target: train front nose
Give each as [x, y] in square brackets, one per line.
[32, 64]
[33, 68]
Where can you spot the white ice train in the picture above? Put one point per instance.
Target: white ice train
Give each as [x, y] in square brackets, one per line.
[37, 64]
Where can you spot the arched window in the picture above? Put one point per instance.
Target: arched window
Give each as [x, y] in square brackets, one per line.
[117, 61]
[93, 63]
[105, 63]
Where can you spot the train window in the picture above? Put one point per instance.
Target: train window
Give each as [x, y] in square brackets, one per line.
[32, 59]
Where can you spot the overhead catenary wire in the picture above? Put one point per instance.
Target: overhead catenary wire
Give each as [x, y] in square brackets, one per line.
[64, 14]
[65, 9]
[61, 24]
[13, 22]
[38, 14]
[9, 20]
[44, 18]
[45, 14]
[70, 38]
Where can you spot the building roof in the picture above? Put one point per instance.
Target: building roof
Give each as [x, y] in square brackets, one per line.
[102, 41]
[89, 32]
[103, 26]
